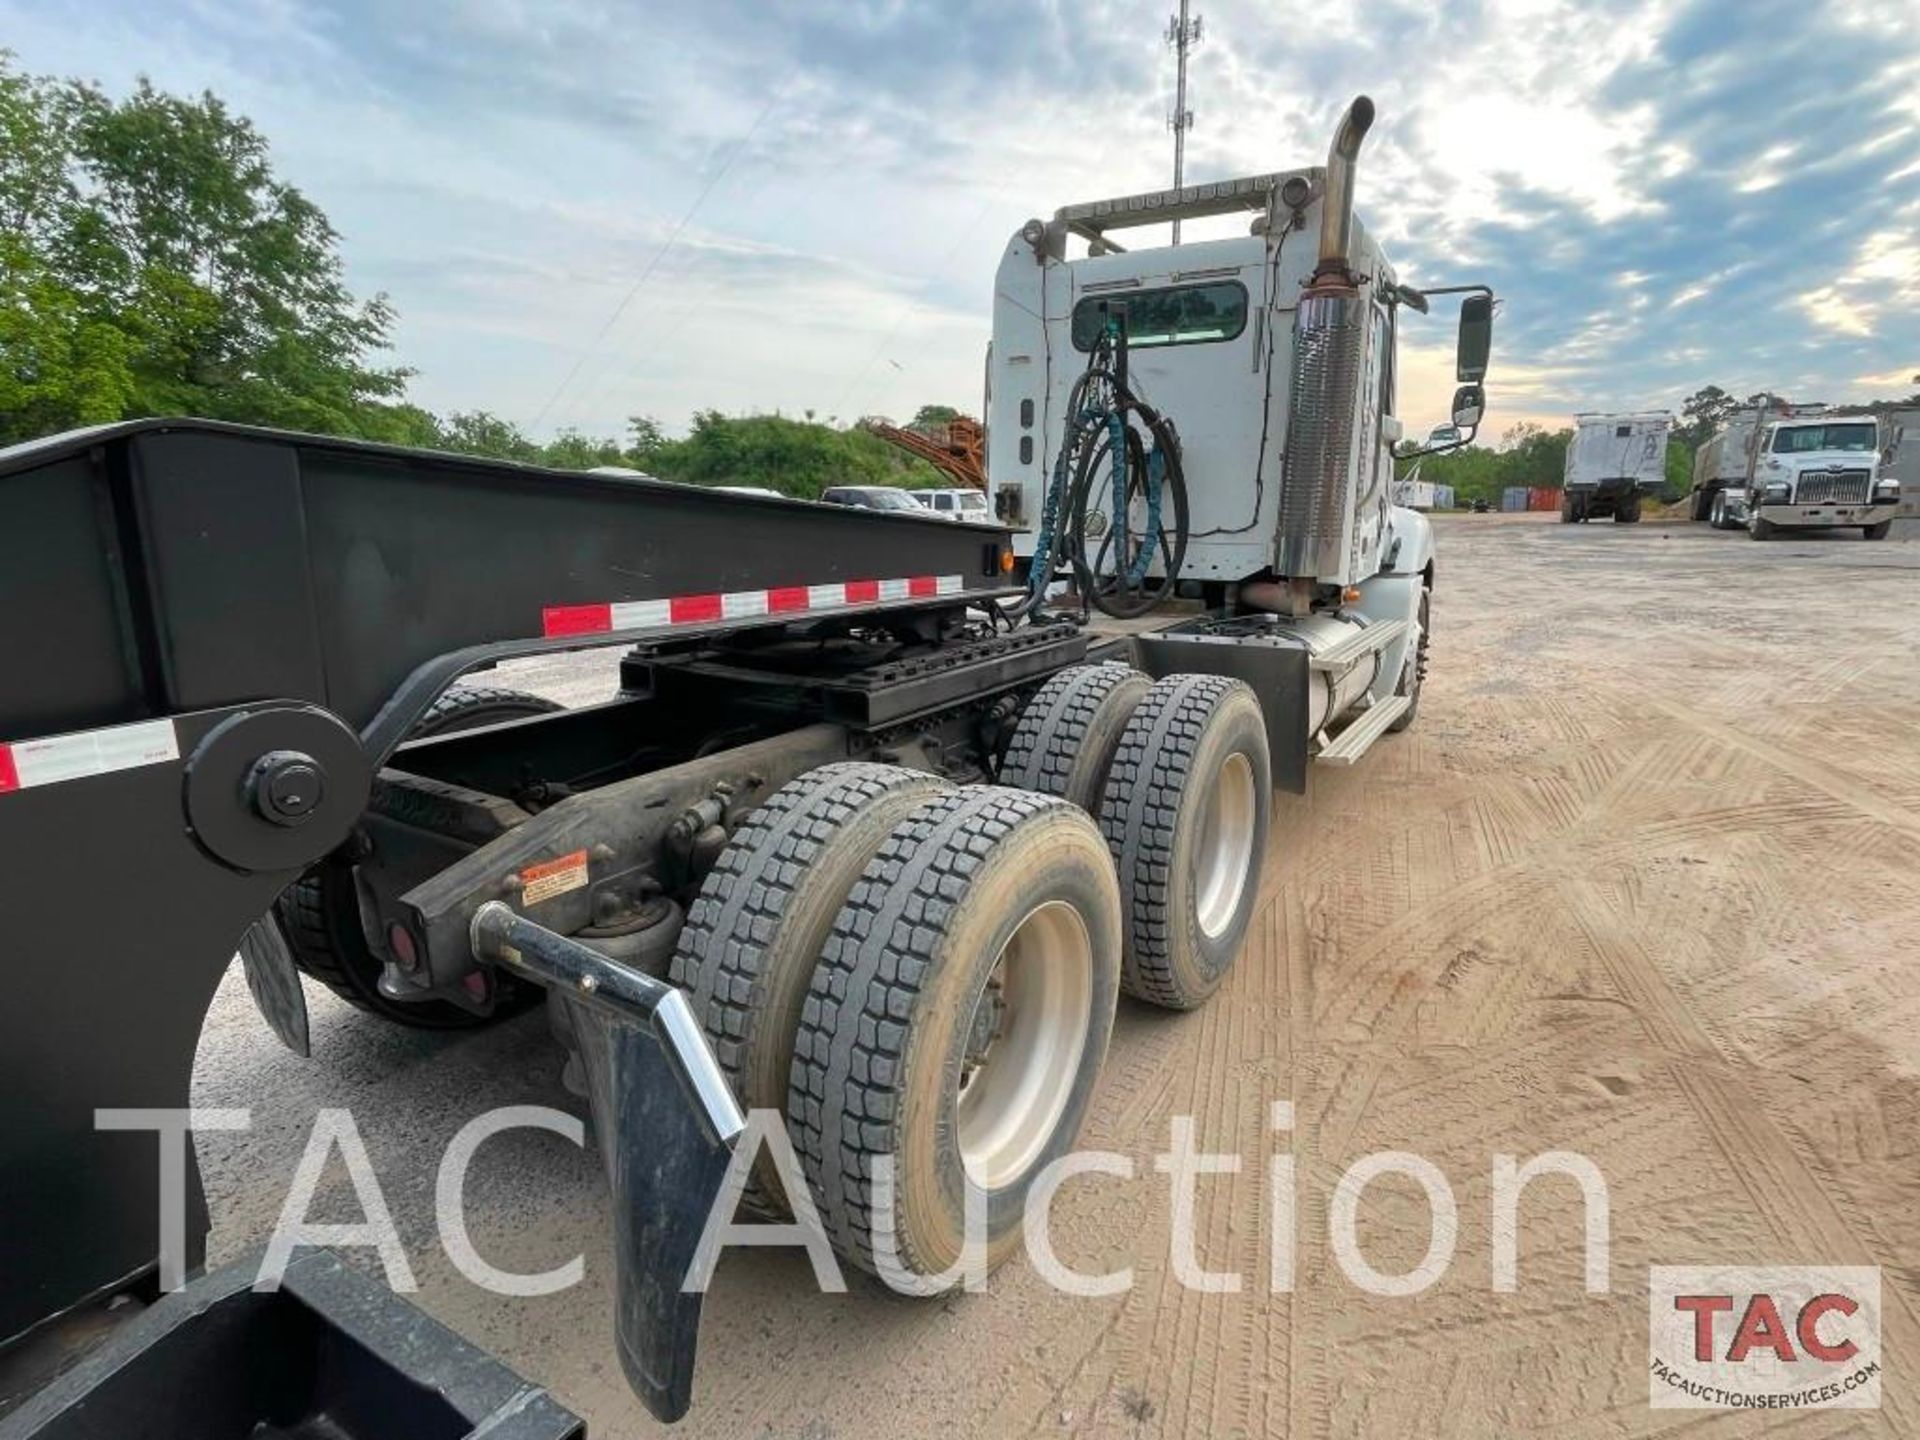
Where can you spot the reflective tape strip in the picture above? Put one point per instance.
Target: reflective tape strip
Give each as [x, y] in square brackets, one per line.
[562, 620]
[26, 763]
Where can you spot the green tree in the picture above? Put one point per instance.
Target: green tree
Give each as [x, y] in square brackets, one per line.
[571, 450]
[476, 432]
[1701, 413]
[795, 457]
[933, 417]
[155, 264]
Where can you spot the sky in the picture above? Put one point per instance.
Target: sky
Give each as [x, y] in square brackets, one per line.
[589, 209]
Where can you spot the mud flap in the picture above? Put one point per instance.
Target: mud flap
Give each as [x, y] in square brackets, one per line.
[666, 1122]
[275, 982]
[665, 1172]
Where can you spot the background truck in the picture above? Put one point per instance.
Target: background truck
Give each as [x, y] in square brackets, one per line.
[1820, 472]
[1900, 458]
[881, 820]
[1613, 462]
[1724, 464]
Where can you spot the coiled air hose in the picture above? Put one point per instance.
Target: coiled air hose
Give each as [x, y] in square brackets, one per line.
[1116, 500]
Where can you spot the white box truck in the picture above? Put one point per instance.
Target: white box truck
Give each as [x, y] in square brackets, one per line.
[1613, 461]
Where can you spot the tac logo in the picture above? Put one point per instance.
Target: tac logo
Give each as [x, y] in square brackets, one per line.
[1778, 1337]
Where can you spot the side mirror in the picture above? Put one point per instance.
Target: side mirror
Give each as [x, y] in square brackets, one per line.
[1476, 339]
[1469, 401]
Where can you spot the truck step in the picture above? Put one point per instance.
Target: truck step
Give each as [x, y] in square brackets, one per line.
[1354, 741]
[1365, 640]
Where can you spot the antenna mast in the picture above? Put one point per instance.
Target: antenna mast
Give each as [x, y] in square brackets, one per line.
[1182, 34]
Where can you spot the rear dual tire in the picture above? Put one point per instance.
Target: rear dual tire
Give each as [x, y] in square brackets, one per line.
[906, 969]
[1068, 732]
[754, 934]
[985, 901]
[1185, 813]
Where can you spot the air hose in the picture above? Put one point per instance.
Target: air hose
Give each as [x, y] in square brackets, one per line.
[1116, 500]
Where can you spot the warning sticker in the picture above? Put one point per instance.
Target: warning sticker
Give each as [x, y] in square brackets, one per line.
[553, 877]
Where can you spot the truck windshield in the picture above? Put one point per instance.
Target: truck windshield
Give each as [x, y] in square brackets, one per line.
[1798, 439]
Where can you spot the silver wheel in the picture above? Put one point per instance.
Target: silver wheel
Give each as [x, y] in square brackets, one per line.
[1224, 856]
[954, 1026]
[1029, 1029]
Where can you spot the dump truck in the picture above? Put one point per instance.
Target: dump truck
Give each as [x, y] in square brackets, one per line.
[1613, 463]
[1723, 464]
[1820, 472]
[884, 816]
[1900, 459]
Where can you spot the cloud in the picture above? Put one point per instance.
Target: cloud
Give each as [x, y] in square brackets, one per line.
[1664, 192]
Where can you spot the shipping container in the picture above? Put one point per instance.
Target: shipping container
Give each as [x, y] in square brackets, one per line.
[1515, 498]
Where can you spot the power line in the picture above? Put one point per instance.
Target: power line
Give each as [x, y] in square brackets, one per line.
[658, 255]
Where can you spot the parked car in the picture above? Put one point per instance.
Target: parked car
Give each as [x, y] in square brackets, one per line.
[872, 497]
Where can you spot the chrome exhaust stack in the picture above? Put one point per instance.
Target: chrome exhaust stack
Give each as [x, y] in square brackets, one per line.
[1315, 535]
[1336, 210]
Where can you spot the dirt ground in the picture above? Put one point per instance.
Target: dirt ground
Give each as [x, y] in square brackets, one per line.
[1643, 882]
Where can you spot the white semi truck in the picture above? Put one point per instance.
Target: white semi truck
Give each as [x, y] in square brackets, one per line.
[865, 848]
[1256, 502]
[1613, 462]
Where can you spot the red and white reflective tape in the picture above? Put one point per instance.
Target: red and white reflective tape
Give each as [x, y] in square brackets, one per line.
[557, 620]
[26, 763]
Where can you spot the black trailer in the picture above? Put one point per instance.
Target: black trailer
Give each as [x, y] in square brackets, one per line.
[839, 802]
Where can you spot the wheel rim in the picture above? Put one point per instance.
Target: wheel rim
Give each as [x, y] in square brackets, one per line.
[1225, 852]
[1029, 1032]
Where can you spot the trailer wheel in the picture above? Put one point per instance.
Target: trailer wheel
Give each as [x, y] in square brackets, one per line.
[956, 1023]
[1414, 674]
[1068, 732]
[1717, 518]
[1566, 508]
[1878, 532]
[1185, 815]
[1701, 501]
[747, 952]
[320, 911]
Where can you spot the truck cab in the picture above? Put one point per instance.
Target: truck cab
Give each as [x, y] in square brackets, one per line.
[1820, 473]
[1211, 335]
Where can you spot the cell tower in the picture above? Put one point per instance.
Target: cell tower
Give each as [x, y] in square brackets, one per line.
[1182, 34]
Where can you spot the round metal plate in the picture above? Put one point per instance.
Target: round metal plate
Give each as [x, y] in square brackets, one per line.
[222, 812]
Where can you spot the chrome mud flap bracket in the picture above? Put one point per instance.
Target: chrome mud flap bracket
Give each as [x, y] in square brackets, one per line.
[666, 1123]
